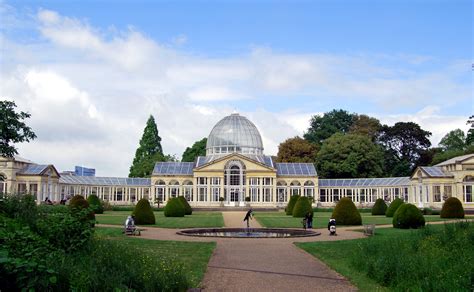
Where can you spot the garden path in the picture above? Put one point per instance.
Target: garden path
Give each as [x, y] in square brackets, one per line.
[234, 219]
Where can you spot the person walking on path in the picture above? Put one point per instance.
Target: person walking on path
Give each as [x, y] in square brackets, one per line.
[248, 216]
[309, 220]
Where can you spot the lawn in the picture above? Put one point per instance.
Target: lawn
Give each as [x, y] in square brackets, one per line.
[421, 261]
[194, 255]
[197, 219]
[320, 219]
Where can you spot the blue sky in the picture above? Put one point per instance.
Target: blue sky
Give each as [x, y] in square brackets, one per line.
[107, 65]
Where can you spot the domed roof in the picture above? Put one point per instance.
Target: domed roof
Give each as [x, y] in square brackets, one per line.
[234, 133]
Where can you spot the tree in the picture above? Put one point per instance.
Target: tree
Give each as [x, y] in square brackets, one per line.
[404, 143]
[323, 127]
[12, 128]
[365, 125]
[148, 152]
[470, 132]
[349, 156]
[198, 149]
[296, 149]
[454, 140]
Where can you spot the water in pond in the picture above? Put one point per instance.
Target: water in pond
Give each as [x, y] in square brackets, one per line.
[248, 233]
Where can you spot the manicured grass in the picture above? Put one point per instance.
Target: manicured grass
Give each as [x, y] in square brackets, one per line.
[194, 255]
[404, 260]
[197, 219]
[320, 219]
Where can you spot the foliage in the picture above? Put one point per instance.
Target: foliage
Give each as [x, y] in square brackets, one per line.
[187, 208]
[323, 127]
[435, 258]
[302, 207]
[454, 140]
[148, 152]
[406, 141]
[95, 204]
[13, 128]
[408, 216]
[392, 208]
[445, 155]
[365, 125]
[379, 207]
[452, 208]
[349, 156]
[346, 213]
[470, 132]
[291, 204]
[174, 208]
[198, 149]
[296, 149]
[78, 203]
[19, 207]
[144, 213]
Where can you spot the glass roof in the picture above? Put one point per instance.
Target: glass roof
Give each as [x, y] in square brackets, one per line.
[296, 169]
[234, 133]
[104, 181]
[174, 168]
[435, 171]
[33, 169]
[365, 182]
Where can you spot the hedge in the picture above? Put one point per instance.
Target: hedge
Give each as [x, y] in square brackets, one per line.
[174, 208]
[302, 207]
[393, 207]
[95, 204]
[452, 208]
[346, 213]
[187, 208]
[408, 216]
[291, 204]
[379, 207]
[144, 213]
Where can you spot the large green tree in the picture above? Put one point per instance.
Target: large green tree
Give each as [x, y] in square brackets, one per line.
[149, 151]
[454, 140]
[365, 125]
[13, 128]
[404, 143]
[296, 149]
[470, 132]
[198, 149]
[349, 156]
[323, 127]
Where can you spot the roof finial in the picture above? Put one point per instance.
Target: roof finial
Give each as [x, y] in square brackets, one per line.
[234, 112]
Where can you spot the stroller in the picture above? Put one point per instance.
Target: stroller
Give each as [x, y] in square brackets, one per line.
[332, 227]
[130, 228]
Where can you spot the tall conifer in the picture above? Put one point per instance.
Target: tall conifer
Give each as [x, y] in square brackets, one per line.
[148, 152]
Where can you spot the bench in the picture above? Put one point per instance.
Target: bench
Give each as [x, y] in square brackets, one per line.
[369, 229]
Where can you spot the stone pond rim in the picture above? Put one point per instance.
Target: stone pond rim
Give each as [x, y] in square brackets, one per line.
[248, 233]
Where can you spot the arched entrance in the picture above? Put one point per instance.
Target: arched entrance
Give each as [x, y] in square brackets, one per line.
[234, 182]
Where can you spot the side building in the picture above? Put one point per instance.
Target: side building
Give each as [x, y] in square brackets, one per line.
[235, 172]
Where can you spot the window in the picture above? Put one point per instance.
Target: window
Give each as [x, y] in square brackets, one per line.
[374, 195]
[362, 195]
[22, 188]
[267, 194]
[202, 180]
[254, 194]
[448, 192]
[322, 195]
[202, 192]
[216, 181]
[436, 193]
[335, 195]
[215, 194]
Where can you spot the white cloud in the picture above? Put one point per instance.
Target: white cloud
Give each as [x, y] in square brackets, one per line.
[90, 92]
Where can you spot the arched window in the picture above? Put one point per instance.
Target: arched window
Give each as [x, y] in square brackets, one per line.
[295, 188]
[282, 194]
[309, 188]
[234, 181]
[160, 187]
[468, 185]
[173, 189]
[188, 190]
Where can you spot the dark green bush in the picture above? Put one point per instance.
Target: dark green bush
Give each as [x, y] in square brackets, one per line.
[302, 207]
[144, 213]
[379, 207]
[77, 204]
[427, 211]
[393, 207]
[346, 213]
[187, 208]
[95, 204]
[20, 207]
[408, 216]
[452, 208]
[174, 208]
[291, 204]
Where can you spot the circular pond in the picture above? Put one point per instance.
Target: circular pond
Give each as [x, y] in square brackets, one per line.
[248, 233]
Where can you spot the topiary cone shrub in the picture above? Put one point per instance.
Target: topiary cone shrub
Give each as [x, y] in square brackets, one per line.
[78, 203]
[291, 204]
[452, 208]
[95, 204]
[174, 208]
[346, 213]
[144, 213]
[187, 208]
[379, 207]
[408, 216]
[302, 207]
[393, 207]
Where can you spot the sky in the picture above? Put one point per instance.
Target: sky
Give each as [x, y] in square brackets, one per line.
[91, 72]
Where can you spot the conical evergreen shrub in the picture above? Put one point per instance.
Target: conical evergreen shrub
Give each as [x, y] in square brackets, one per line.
[144, 213]
[187, 208]
[78, 203]
[379, 207]
[95, 204]
[392, 208]
[408, 216]
[302, 207]
[452, 208]
[174, 208]
[291, 204]
[346, 213]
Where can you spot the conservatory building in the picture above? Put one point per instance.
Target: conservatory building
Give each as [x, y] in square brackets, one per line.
[236, 172]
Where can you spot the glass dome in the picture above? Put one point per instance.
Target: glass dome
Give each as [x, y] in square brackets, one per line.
[234, 133]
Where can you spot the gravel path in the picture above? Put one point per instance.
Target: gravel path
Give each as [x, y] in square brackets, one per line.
[235, 219]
